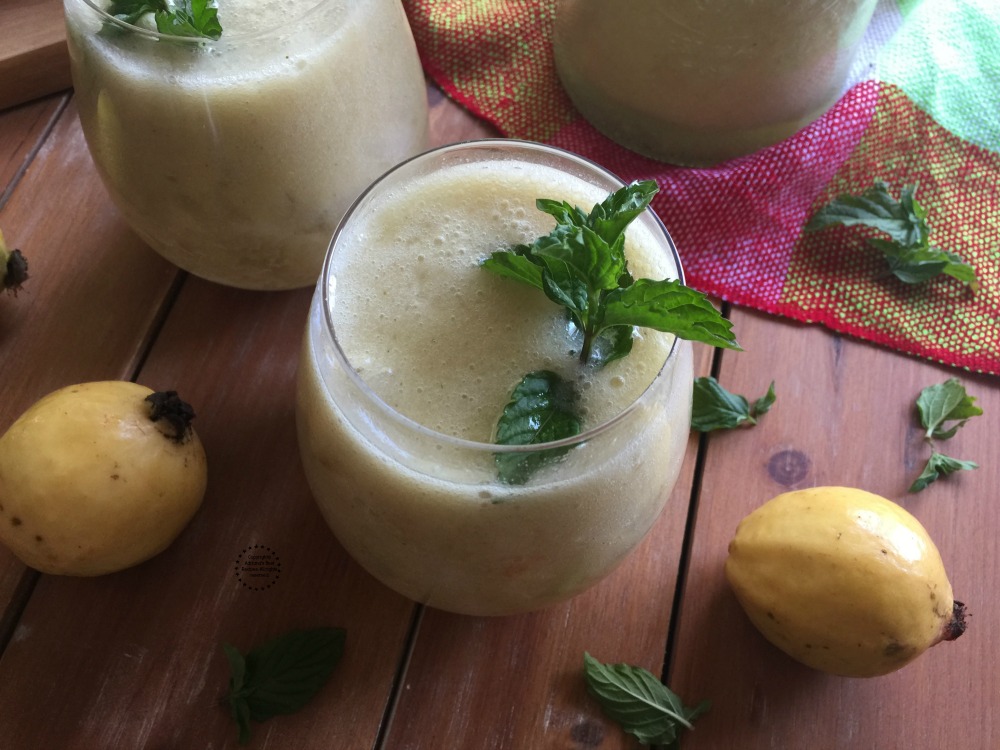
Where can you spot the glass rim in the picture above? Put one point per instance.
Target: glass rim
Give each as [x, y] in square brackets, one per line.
[411, 424]
[197, 41]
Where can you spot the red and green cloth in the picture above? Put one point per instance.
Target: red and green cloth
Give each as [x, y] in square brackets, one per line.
[924, 109]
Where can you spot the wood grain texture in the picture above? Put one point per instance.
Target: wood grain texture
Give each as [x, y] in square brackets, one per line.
[844, 416]
[21, 132]
[34, 59]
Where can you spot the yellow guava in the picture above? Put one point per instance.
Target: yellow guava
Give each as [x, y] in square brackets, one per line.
[98, 477]
[842, 580]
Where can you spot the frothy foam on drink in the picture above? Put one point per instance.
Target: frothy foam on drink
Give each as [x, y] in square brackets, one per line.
[442, 340]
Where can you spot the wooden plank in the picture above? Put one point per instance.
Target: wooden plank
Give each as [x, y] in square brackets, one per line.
[34, 59]
[517, 682]
[21, 130]
[844, 416]
[95, 289]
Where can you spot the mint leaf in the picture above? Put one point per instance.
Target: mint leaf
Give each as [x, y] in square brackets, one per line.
[715, 408]
[282, 675]
[908, 252]
[237, 701]
[642, 705]
[516, 266]
[197, 18]
[188, 18]
[540, 411]
[130, 11]
[902, 220]
[946, 402]
[580, 265]
[671, 307]
[939, 465]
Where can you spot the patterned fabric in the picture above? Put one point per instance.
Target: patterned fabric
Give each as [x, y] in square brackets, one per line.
[923, 108]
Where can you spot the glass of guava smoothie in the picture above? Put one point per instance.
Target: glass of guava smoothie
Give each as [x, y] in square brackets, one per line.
[410, 353]
[235, 158]
[696, 83]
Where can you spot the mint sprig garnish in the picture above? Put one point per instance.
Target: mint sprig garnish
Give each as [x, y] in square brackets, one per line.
[908, 251]
[282, 675]
[943, 409]
[540, 411]
[580, 265]
[715, 408]
[189, 18]
[641, 704]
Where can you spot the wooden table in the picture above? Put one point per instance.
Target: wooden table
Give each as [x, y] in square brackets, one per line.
[134, 659]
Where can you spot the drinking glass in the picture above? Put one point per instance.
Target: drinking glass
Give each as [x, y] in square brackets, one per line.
[236, 158]
[697, 82]
[419, 505]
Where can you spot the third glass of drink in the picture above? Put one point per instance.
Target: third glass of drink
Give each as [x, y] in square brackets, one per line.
[464, 439]
[233, 143]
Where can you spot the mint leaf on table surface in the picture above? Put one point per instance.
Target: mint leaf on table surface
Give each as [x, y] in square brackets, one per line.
[938, 405]
[282, 675]
[580, 265]
[188, 18]
[715, 408]
[540, 411]
[940, 465]
[945, 402]
[642, 705]
[908, 251]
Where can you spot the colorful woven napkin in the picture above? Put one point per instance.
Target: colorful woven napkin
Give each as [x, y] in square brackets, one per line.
[924, 109]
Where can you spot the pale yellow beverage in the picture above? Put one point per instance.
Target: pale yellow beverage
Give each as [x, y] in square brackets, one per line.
[236, 158]
[410, 354]
[696, 82]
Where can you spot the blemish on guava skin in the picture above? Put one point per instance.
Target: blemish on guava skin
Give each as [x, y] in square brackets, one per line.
[38, 538]
[894, 649]
[15, 521]
[788, 467]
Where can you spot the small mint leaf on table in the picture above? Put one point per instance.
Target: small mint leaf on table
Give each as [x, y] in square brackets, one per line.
[540, 411]
[945, 402]
[940, 465]
[642, 705]
[282, 675]
[715, 408]
[908, 252]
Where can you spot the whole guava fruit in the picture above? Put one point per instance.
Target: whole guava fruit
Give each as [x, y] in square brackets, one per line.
[98, 477]
[842, 580]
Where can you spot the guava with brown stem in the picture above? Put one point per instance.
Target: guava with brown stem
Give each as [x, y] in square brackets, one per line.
[843, 580]
[98, 477]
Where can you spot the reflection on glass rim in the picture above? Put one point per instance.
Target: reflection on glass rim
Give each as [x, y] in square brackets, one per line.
[485, 145]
